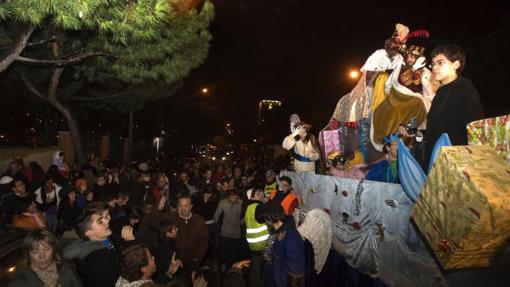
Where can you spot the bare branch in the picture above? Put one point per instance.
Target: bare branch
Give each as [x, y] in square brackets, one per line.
[30, 85]
[95, 98]
[18, 48]
[62, 62]
[31, 44]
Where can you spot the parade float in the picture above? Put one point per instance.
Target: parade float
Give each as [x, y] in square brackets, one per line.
[450, 228]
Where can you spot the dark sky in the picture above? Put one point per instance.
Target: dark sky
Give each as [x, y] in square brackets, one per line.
[299, 51]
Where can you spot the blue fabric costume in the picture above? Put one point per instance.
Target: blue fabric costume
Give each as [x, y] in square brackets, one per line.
[286, 260]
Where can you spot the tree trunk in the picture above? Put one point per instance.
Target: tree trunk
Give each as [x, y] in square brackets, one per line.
[20, 45]
[66, 113]
[130, 138]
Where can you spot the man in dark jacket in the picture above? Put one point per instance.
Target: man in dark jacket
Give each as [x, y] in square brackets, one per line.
[192, 239]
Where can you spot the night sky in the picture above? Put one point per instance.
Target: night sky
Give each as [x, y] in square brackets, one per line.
[300, 52]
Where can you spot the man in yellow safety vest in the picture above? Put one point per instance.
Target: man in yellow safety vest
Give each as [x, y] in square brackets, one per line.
[256, 235]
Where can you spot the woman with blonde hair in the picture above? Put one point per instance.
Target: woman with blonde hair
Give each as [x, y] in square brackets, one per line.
[42, 264]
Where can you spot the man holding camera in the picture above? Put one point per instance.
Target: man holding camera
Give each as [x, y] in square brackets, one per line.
[456, 103]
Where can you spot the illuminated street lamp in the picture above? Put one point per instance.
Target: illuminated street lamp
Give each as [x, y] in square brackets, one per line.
[205, 91]
[353, 74]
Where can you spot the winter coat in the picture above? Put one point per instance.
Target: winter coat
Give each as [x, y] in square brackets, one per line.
[67, 215]
[205, 209]
[232, 215]
[96, 264]
[45, 200]
[163, 255]
[284, 264]
[26, 277]
[192, 239]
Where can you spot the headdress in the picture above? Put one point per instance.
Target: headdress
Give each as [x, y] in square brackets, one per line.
[416, 42]
[397, 40]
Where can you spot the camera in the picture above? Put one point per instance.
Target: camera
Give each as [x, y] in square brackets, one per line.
[411, 127]
[411, 130]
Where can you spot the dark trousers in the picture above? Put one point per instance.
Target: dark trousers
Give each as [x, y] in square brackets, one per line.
[229, 250]
[256, 270]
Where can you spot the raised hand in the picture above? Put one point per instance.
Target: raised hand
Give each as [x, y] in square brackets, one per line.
[420, 63]
[127, 233]
[175, 264]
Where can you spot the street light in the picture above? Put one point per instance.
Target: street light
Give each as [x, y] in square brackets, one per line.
[205, 91]
[353, 74]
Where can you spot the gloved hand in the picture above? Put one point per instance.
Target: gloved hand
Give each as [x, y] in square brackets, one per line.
[297, 131]
[420, 63]
[426, 76]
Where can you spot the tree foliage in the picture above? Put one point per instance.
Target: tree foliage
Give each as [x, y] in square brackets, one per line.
[119, 53]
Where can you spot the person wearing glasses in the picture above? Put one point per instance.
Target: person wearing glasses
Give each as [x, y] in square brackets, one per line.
[456, 102]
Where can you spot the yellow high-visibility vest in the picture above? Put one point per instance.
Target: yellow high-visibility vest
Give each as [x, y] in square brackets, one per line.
[256, 233]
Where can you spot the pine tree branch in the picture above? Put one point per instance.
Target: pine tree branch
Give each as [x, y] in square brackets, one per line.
[18, 48]
[30, 85]
[62, 62]
[95, 98]
[31, 44]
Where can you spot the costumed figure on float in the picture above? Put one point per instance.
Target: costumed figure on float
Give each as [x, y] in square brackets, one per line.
[303, 146]
[407, 93]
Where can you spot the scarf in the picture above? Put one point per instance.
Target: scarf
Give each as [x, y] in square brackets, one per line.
[124, 283]
[48, 276]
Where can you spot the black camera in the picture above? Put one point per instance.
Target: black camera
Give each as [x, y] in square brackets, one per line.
[411, 127]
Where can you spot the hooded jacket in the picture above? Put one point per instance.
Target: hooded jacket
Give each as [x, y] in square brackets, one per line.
[96, 264]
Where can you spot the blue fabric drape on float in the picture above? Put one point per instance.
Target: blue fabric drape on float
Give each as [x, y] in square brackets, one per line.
[412, 177]
[371, 231]
[443, 140]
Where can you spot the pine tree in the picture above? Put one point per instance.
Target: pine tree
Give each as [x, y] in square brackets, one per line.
[112, 49]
